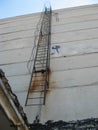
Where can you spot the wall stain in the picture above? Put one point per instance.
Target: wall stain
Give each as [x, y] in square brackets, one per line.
[38, 80]
[38, 84]
[35, 83]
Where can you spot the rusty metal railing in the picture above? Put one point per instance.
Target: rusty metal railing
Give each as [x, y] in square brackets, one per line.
[39, 81]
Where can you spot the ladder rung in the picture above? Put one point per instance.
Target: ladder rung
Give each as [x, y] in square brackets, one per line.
[35, 98]
[41, 53]
[42, 50]
[37, 75]
[40, 71]
[41, 68]
[41, 56]
[40, 59]
[37, 91]
[40, 63]
[38, 86]
[42, 46]
[40, 80]
[33, 104]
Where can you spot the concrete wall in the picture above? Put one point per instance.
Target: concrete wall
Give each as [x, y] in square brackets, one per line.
[73, 91]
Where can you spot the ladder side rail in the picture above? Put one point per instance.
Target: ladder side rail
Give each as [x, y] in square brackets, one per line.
[48, 57]
[49, 43]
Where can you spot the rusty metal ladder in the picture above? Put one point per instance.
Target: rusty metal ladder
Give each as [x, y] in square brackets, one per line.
[39, 82]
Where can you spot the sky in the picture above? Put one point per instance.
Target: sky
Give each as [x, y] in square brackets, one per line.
[10, 8]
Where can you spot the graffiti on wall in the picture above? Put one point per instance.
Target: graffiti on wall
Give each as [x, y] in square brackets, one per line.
[55, 50]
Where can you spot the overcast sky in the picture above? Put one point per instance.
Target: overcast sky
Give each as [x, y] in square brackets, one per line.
[10, 8]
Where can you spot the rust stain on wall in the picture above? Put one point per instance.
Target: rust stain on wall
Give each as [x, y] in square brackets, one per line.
[48, 87]
[38, 83]
[48, 92]
[35, 83]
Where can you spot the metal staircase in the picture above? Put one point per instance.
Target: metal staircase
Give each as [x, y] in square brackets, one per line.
[39, 82]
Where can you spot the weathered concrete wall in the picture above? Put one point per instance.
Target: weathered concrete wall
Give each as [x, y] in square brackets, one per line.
[74, 68]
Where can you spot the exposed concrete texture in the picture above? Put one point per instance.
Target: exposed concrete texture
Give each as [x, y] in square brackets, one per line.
[74, 66]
